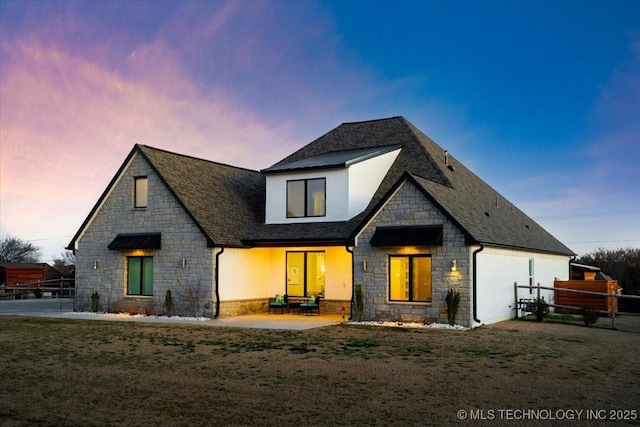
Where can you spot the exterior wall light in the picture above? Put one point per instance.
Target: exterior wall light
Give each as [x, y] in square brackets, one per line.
[96, 264]
[364, 264]
[454, 265]
[184, 263]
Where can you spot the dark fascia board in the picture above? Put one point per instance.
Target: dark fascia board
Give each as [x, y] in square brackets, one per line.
[103, 196]
[302, 169]
[210, 242]
[344, 164]
[408, 177]
[277, 243]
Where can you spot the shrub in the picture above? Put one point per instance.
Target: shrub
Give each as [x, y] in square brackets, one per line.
[193, 294]
[150, 308]
[359, 302]
[95, 302]
[453, 302]
[168, 303]
[540, 308]
[38, 293]
[589, 316]
[117, 306]
[133, 308]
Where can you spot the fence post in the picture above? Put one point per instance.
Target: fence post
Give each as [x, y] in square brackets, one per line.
[515, 296]
[538, 291]
[613, 310]
[61, 295]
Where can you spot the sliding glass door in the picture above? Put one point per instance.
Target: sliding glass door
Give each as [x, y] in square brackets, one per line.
[305, 273]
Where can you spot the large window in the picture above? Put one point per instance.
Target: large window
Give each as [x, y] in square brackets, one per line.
[305, 273]
[140, 192]
[306, 197]
[410, 278]
[140, 275]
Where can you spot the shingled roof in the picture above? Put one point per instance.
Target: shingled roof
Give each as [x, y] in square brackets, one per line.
[478, 210]
[227, 203]
[224, 201]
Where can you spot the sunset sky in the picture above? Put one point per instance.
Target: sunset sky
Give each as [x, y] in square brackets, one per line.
[540, 99]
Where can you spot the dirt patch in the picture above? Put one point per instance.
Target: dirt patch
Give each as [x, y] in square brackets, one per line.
[76, 372]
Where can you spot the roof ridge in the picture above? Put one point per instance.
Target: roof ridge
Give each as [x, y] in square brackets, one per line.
[412, 131]
[196, 158]
[373, 120]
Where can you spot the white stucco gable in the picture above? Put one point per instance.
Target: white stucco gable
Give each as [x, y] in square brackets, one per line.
[348, 189]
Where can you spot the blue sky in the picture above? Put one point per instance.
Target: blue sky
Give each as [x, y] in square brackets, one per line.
[540, 99]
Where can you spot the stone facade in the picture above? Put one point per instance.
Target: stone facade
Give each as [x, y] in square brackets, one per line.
[410, 207]
[260, 305]
[181, 240]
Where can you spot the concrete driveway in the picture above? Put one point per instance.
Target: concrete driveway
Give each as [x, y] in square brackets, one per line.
[63, 309]
[36, 307]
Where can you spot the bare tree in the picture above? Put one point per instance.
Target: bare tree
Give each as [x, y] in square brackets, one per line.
[13, 249]
[621, 264]
[65, 262]
[193, 294]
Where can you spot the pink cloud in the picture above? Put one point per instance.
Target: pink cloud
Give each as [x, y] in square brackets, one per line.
[68, 123]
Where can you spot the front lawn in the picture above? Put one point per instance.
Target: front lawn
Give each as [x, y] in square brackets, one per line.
[83, 373]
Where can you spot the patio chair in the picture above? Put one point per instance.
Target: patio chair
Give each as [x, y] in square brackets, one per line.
[310, 307]
[278, 303]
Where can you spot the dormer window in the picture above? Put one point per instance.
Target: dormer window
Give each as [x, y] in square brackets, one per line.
[140, 192]
[306, 198]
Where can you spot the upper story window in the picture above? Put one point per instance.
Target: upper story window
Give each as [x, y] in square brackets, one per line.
[306, 197]
[140, 192]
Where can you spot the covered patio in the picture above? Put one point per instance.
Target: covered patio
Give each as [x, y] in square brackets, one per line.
[63, 309]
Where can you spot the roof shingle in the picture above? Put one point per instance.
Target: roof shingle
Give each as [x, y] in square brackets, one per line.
[227, 203]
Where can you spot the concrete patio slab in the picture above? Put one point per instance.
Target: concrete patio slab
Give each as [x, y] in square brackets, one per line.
[63, 309]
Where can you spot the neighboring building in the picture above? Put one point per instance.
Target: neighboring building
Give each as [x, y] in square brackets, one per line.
[587, 272]
[19, 274]
[375, 203]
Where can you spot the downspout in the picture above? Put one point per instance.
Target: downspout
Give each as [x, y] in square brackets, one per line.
[217, 277]
[475, 284]
[572, 259]
[352, 282]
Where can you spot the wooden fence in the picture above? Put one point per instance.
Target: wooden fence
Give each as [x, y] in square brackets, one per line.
[627, 320]
[564, 298]
[55, 288]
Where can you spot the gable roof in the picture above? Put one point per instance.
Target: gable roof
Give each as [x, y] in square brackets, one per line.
[483, 215]
[227, 203]
[223, 201]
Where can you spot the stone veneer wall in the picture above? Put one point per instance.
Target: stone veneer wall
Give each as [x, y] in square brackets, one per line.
[409, 206]
[181, 239]
[255, 306]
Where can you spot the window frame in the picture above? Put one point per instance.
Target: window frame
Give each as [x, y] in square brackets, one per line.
[531, 275]
[142, 276]
[305, 273]
[137, 190]
[307, 197]
[410, 272]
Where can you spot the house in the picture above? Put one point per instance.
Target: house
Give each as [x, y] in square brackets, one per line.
[587, 272]
[376, 203]
[18, 275]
